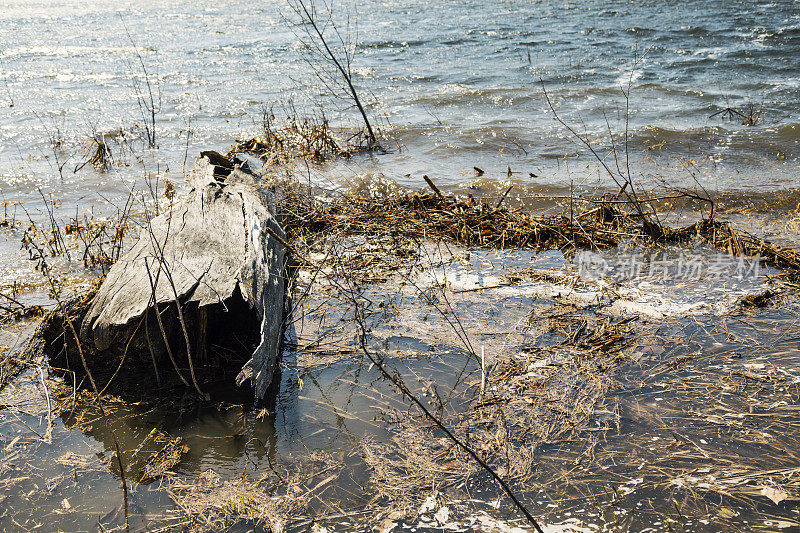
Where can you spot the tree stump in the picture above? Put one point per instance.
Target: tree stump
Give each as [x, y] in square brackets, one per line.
[218, 244]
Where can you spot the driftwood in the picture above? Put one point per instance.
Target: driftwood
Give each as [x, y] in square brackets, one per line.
[220, 243]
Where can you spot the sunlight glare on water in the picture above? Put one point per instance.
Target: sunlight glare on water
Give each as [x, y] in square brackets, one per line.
[457, 81]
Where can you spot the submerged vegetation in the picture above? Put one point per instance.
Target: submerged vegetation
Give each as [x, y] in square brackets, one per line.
[561, 391]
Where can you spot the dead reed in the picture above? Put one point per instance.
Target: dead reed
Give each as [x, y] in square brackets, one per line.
[296, 138]
[98, 155]
[420, 216]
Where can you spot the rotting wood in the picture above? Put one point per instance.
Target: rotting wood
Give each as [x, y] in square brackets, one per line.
[204, 250]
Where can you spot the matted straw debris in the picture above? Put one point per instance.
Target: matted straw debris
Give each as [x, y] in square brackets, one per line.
[298, 138]
[467, 222]
[740, 243]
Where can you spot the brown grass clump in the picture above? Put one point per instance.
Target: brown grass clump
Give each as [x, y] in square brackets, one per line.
[272, 501]
[413, 460]
[296, 139]
[98, 155]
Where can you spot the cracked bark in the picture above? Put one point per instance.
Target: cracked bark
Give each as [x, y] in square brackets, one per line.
[224, 243]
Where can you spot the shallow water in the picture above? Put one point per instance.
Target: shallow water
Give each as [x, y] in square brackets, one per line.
[459, 84]
[333, 411]
[332, 399]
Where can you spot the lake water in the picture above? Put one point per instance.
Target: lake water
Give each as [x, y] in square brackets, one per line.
[458, 81]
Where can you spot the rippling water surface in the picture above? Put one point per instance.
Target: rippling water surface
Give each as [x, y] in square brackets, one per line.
[458, 81]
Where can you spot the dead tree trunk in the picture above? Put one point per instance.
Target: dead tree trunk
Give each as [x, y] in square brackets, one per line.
[216, 245]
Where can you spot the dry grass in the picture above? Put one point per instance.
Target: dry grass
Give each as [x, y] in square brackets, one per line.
[466, 222]
[426, 216]
[415, 464]
[271, 501]
[98, 154]
[295, 139]
[96, 242]
[738, 243]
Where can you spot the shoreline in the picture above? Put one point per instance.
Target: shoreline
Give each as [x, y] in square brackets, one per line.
[580, 346]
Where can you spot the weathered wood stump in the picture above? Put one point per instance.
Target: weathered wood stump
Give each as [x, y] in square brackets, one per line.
[219, 245]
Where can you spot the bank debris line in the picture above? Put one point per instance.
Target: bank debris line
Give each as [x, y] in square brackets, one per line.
[221, 242]
[469, 222]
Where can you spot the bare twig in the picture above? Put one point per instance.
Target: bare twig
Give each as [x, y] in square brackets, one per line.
[307, 11]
